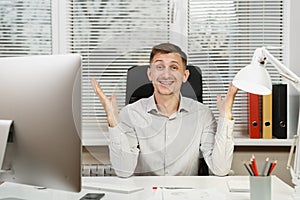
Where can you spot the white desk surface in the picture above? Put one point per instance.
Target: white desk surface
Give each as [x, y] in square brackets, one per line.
[9, 191]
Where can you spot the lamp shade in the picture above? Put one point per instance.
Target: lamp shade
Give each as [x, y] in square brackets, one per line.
[254, 79]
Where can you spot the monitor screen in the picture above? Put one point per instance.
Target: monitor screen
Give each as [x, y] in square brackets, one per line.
[42, 95]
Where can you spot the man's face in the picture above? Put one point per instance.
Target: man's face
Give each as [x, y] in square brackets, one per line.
[167, 73]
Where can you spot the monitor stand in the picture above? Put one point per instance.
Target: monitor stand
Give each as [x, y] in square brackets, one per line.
[5, 127]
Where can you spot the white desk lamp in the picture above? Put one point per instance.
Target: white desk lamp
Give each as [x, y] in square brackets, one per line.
[255, 79]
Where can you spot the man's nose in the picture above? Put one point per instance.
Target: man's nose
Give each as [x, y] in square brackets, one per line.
[167, 71]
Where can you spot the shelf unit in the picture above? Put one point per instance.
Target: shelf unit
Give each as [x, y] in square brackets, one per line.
[262, 142]
[103, 140]
[244, 140]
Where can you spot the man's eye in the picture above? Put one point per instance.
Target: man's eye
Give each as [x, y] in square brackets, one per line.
[174, 68]
[160, 67]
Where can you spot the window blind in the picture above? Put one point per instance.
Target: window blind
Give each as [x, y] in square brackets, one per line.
[117, 34]
[113, 36]
[25, 27]
[222, 37]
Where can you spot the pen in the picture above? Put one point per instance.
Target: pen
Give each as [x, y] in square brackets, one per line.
[271, 168]
[248, 169]
[265, 167]
[255, 166]
[255, 172]
[172, 187]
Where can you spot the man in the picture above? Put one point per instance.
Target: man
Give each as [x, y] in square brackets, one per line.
[166, 134]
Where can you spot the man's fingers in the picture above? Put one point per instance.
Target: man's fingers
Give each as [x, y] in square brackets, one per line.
[114, 103]
[95, 85]
[232, 89]
[113, 99]
[98, 90]
[109, 104]
[219, 97]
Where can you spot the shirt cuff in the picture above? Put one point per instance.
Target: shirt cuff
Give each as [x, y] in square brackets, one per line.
[115, 134]
[119, 138]
[226, 125]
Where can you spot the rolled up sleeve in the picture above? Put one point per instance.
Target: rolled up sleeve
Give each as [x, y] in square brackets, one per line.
[123, 150]
[217, 145]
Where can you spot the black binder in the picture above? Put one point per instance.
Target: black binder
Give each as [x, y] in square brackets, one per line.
[279, 108]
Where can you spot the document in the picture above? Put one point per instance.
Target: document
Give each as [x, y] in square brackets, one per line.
[238, 185]
[112, 187]
[187, 194]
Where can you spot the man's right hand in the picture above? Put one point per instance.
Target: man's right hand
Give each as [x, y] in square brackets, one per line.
[109, 104]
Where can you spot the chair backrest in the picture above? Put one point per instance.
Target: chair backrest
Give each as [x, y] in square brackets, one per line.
[138, 85]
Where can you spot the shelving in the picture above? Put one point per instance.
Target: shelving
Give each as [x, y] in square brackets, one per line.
[238, 141]
[262, 142]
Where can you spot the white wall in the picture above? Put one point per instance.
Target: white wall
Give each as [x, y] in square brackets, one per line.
[294, 59]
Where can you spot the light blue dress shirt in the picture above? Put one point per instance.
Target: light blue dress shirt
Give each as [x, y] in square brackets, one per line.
[146, 142]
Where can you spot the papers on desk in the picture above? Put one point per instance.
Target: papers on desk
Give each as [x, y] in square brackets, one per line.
[187, 194]
[111, 187]
[238, 185]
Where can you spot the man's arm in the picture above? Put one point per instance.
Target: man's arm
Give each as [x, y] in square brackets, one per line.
[225, 106]
[123, 147]
[123, 150]
[217, 141]
[217, 145]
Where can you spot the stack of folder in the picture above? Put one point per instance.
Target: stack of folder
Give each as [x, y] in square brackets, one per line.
[267, 114]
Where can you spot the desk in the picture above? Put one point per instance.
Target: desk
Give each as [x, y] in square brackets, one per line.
[280, 190]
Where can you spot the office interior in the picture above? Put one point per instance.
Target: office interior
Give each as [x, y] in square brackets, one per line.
[95, 157]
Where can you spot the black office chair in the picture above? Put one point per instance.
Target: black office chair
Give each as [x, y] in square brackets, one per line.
[138, 86]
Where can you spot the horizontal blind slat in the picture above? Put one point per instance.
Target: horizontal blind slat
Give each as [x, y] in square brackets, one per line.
[26, 27]
[111, 40]
[222, 38]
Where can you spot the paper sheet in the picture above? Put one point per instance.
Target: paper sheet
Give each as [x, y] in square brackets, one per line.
[111, 187]
[238, 185]
[187, 194]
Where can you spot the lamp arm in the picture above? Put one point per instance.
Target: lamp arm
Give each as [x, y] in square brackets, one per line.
[283, 70]
[260, 55]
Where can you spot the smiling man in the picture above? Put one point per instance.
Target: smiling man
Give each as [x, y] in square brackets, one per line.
[167, 72]
[167, 134]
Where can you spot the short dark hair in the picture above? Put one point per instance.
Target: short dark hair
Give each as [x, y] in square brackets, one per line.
[165, 48]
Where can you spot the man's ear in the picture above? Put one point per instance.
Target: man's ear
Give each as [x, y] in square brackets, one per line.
[186, 75]
[149, 74]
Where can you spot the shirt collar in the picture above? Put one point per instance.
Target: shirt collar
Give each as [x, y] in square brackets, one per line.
[151, 106]
[183, 104]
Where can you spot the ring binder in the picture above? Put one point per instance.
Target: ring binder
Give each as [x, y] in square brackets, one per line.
[267, 116]
[254, 116]
[279, 108]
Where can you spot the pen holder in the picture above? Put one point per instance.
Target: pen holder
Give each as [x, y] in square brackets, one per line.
[260, 187]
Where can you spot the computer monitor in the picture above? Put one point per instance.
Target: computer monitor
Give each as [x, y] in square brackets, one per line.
[42, 95]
